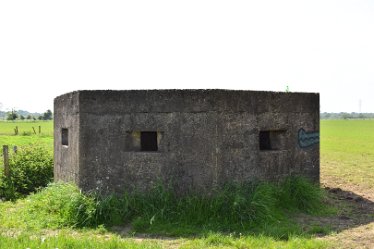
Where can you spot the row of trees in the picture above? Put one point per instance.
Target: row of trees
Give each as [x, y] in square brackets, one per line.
[346, 115]
[13, 115]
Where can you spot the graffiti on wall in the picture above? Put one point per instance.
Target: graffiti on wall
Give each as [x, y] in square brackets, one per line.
[308, 138]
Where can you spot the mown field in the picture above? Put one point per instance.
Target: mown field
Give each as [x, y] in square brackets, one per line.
[347, 163]
[347, 170]
[347, 154]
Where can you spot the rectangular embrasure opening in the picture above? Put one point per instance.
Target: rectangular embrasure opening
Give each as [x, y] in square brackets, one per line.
[148, 141]
[272, 140]
[65, 136]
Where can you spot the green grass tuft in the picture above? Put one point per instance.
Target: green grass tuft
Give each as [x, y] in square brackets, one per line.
[299, 194]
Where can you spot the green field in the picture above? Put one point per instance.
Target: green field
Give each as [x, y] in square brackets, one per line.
[26, 134]
[7, 127]
[347, 162]
[347, 153]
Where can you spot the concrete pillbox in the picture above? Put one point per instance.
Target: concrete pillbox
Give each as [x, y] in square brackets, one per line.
[115, 141]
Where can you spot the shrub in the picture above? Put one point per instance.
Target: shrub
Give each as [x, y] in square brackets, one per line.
[31, 168]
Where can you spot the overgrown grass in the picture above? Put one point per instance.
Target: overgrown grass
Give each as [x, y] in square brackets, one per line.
[233, 208]
[256, 208]
[59, 205]
[297, 194]
[237, 216]
[251, 209]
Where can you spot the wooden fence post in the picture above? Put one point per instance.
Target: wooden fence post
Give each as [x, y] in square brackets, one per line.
[34, 130]
[6, 161]
[40, 129]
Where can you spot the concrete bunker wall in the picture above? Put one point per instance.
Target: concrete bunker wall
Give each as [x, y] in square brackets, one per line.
[204, 138]
[66, 138]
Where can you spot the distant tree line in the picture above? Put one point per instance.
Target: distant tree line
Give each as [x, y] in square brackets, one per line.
[48, 115]
[346, 115]
[14, 115]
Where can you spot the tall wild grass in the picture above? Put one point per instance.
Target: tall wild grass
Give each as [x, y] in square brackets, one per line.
[244, 207]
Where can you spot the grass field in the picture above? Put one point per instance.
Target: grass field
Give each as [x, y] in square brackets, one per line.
[7, 127]
[26, 133]
[347, 163]
[347, 154]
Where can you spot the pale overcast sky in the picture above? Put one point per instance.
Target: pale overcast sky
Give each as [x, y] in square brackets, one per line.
[48, 48]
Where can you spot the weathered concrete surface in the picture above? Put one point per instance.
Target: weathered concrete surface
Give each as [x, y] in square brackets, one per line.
[66, 158]
[205, 138]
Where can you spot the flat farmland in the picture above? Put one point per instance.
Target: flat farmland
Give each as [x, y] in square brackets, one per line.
[347, 169]
[26, 134]
[347, 155]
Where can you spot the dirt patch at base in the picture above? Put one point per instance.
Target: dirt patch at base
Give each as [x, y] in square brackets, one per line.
[332, 182]
[353, 224]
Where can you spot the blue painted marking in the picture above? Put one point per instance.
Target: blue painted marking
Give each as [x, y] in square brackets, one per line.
[307, 139]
